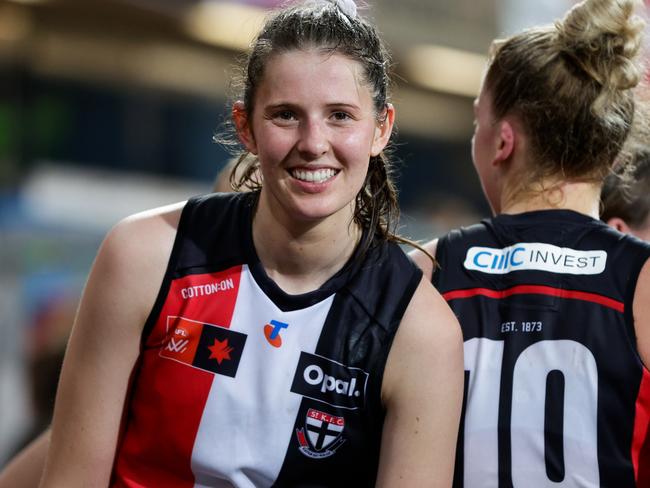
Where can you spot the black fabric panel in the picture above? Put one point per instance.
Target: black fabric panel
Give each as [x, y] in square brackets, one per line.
[218, 230]
[459, 465]
[554, 426]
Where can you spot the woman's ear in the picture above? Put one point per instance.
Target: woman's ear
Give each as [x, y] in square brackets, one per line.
[242, 124]
[619, 224]
[383, 130]
[506, 141]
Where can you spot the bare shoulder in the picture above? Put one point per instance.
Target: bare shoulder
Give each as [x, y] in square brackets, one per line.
[429, 331]
[134, 255]
[144, 239]
[422, 260]
[149, 229]
[641, 313]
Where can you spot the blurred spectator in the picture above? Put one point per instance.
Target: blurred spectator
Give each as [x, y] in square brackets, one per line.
[47, 338]
[224, 181]
[626, 204]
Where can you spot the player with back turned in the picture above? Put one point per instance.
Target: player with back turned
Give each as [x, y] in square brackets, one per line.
[554, 304]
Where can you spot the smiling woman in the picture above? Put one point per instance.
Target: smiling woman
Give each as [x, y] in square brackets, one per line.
[274, 337]
[367, 64]
[313, 131]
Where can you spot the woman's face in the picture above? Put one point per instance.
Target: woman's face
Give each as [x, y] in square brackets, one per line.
[313, 128]
[484, 148]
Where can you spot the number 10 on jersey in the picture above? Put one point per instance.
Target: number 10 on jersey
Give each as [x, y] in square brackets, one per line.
[539, 456]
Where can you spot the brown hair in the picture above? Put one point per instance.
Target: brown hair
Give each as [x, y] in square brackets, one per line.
[626, 193]
[570, 85]
[331, 28]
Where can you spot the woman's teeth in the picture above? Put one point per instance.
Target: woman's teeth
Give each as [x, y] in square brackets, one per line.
[316, 176]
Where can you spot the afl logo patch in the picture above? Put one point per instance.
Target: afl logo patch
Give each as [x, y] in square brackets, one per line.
[203, 346]
[330, 382]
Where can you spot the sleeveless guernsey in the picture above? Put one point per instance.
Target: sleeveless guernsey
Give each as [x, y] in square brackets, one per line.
[240, 384]
[556, 395]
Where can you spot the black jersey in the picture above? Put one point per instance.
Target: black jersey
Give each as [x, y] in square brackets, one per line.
[556, 394]
[239, 383]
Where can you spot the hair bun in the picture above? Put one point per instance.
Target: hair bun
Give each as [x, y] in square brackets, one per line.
[603, 37]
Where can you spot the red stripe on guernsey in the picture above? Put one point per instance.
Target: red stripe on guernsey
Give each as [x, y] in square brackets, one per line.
[536, 290]
[640, 440]
[169, 394]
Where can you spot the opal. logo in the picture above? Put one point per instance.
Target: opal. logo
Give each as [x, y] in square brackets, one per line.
[328, 381]
[535, 256]
[272, 332]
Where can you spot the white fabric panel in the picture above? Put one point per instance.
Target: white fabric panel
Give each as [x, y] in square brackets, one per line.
[580, 436]
[248, 420]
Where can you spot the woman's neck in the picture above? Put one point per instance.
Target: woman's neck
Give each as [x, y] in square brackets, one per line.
[301, 256]
[582, 197]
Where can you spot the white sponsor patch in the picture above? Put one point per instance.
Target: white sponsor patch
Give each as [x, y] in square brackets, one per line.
[535, 256]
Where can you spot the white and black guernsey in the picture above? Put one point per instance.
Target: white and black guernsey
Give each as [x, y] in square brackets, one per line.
[240, 384]
[556, 394]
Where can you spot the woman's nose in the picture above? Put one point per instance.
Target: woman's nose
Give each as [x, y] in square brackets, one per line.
[313, 141]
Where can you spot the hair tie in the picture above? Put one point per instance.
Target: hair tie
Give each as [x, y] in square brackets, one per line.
[348, 7]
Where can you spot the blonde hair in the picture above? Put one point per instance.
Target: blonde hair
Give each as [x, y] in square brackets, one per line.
[570, 84]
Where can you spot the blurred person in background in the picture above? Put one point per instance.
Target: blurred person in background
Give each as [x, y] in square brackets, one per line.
[226, 179]
[48, 334]
[553, 303]
[275, 336]
[626, 198]
[222, 182]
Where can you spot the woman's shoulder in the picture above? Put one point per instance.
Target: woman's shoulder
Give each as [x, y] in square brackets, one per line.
[148, 229]
[141, 243]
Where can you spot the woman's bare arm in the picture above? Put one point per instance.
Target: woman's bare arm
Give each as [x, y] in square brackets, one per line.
[422, 390]
[104, 346]
[26, 468]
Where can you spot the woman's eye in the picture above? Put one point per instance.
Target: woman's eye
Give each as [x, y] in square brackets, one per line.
[285, 115]
[340, 116]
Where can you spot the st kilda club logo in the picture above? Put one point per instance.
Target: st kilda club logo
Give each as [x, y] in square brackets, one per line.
[322, 434]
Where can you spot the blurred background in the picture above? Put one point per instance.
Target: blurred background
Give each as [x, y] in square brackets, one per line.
[109, 107]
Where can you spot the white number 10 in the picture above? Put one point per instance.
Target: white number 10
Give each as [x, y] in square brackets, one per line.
[484, 361]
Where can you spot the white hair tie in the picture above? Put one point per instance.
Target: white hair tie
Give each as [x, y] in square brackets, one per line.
[348, 7]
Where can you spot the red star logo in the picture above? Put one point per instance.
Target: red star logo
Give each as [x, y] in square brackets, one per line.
[220, 350]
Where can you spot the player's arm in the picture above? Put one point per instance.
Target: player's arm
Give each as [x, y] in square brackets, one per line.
[422, 392]
[103, 347]
[422, 260]
[26, 468]
[641, 312]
